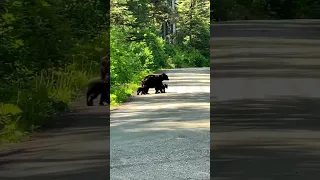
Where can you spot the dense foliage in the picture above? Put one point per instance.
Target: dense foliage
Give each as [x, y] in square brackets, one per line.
[49, 50]
[222, 10]
[140, 45]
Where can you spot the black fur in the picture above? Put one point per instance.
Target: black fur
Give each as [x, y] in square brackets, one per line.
[154, 81]
[141, 90]
[161, 88]
[96, 88]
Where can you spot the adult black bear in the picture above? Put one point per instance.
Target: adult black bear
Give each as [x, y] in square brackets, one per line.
[95, 88]
[162, 89]
[101, 85]
[154, 81]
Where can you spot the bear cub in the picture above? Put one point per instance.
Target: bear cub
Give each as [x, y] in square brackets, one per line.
[162, 88]
[142, 90]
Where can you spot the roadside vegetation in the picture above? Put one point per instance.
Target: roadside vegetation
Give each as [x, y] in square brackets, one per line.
[143, 40]
[223, 10]
[49, 50]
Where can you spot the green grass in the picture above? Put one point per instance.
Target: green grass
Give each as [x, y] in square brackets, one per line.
[51, 91]
[39, 100]
[121, 92]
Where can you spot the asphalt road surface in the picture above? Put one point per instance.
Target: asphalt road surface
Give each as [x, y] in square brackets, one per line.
[75, 148]
[164, 136]
[265, 100]
[156, 136]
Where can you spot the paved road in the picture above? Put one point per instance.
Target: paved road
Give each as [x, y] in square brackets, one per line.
[164, 136]
[79, 151]
[265, 99]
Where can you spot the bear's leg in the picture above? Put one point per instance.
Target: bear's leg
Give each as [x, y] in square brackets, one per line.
[108, 97]
[104, 94]
[144, 91]
[89, 101]
[102, 99]
[157, 90]
[91, 98]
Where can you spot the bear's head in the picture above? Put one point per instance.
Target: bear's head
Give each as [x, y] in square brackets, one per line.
[164, 76]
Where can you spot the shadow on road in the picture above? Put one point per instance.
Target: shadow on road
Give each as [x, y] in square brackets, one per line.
[278, 161]
[166, 112]
[257, 130]
[262, 65]
[256, 69]
[294, 29]
[166, 135]
[77, 148]
[259, 58]
[292, 113]
[172, 97]
[190, 71]
[253, 128]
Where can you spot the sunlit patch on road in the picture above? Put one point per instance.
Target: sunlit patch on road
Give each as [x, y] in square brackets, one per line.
[165, 129]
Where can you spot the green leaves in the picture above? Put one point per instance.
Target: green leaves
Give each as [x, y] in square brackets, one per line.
[136, 42]
[8, 18]
[44, 3]
[9, 109]
[264, 9]
[17, 3]
[42, 36]
[9, 113]
[17, 43]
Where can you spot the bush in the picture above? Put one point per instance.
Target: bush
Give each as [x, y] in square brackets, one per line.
[132, 61]
[10, 115]
[48, 92]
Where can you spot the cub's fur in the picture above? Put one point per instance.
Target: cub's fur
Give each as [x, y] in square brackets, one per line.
[141, 90]
[161, 88]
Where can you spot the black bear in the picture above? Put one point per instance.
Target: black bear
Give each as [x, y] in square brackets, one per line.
[154, 81]
[95, 88]
[101, 85]
[162, 89]
[142, 90]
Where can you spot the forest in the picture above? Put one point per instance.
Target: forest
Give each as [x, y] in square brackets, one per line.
[150, 35]
[50, 49]
[224, 10]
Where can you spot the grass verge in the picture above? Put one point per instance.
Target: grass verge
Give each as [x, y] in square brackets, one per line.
[37, 101]
[121, 92]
